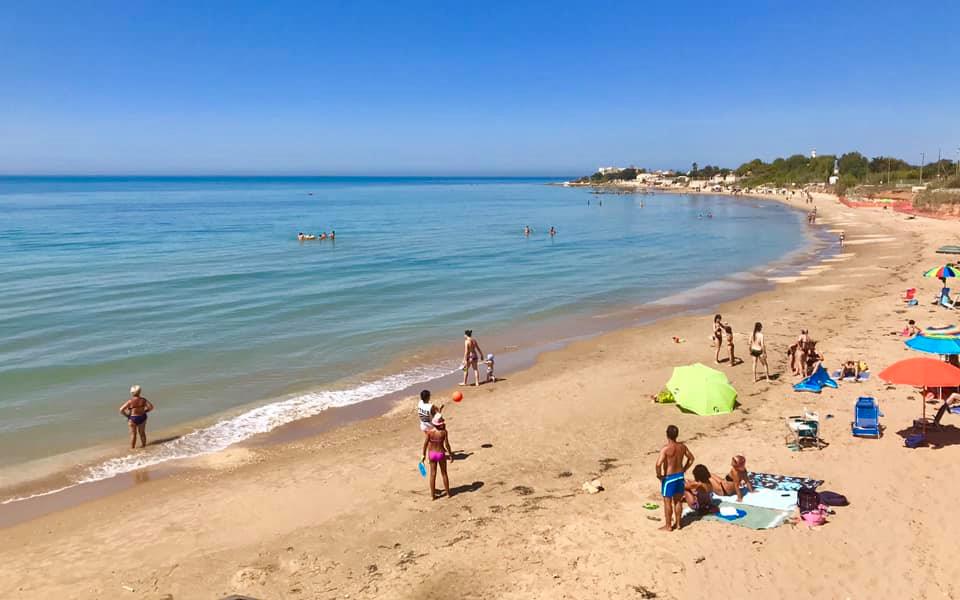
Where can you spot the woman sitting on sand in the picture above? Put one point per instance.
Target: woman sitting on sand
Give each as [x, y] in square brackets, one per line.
[698, 493]
[436, 447]
[737, 479]
[758, 350]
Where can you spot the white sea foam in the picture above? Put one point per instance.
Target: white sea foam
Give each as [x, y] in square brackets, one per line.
[262, 419]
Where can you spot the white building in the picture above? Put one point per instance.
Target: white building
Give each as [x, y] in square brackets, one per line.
[605, 170]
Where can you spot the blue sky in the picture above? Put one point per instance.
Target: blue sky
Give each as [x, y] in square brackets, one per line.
[468, 88]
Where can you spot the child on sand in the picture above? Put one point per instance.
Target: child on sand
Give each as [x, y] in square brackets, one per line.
[729, 330]
[489, 365]
[674, 460]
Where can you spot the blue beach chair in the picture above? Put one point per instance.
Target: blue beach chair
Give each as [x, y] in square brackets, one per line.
[945, 300]
[866, 418]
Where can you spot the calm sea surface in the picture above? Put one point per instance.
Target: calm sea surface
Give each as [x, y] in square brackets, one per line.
[197, 289]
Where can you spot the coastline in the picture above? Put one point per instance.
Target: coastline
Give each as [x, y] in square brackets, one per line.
[431, 367]
[581, 409]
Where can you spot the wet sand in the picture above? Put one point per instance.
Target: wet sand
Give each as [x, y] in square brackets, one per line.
[346, 514]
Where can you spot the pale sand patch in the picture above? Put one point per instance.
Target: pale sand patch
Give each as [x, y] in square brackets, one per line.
[835, 260]
[823, 288]
[860, 242]
[785, 279]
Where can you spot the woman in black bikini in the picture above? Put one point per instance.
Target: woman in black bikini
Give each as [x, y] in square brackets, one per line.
[758, 350]
[135, 410]
[718, 334]
[471, 356]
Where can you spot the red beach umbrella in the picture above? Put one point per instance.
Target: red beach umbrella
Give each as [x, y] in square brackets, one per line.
[922, 372]
[925, 373]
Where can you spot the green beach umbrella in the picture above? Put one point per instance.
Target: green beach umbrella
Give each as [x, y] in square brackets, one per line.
[702, 390]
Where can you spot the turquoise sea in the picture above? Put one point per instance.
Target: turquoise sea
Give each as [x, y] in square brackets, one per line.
[197, 289]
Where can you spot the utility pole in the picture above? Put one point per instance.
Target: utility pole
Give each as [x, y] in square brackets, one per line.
[923, 157]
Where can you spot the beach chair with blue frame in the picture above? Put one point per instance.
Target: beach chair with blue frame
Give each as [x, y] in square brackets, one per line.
[866, 418]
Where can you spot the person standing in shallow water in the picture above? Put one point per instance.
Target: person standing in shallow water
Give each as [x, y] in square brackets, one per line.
[135, 410]
[471, 357]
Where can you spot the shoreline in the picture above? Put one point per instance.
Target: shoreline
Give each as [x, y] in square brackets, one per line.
[518, 353]
[579, 412]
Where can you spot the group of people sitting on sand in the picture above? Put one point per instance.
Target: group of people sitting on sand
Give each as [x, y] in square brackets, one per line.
[674, 461]
[758, 348]
[310, 237]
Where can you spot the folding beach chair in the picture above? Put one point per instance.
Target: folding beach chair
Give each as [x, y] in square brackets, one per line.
[866, 418]
[804, 430]
[910, 294]
[944, 299]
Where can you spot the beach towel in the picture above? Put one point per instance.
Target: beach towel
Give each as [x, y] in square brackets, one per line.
[782, 482]
[762, 497]
[753, 517]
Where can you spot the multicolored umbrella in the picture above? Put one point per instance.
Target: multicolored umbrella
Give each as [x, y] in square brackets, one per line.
[947, 270]
[702, 390]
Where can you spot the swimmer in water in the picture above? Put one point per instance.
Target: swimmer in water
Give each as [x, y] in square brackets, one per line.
[527, 231]
[304, 237]
[553, 232]
[333, 235]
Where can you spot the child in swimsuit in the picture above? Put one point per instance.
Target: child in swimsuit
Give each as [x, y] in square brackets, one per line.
[729, 330]
[436, 447]
[489, 364]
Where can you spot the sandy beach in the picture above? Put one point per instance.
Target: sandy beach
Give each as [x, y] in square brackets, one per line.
[345, 514]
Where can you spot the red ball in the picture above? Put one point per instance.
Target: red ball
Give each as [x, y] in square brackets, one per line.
[457, 396]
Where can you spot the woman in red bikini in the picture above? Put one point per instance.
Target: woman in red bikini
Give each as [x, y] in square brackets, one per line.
[135, 410]
[436, 447]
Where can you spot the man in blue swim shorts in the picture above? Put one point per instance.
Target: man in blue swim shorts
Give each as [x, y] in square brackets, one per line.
[674, 460]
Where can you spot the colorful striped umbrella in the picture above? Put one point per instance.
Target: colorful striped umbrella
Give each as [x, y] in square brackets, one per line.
[947, 270]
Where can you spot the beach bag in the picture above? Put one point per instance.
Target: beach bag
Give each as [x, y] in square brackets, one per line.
[833, 499]
[665, 397]
[808, 500]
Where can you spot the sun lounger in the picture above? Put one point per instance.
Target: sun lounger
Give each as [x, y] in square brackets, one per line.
[866, 418]
[948, 250]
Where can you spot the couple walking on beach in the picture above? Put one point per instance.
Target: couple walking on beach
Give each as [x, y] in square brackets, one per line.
[758, 349]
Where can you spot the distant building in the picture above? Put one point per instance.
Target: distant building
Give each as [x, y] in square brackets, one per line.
[605, 170]
[730, 178]
[836, 173]
[813, 153]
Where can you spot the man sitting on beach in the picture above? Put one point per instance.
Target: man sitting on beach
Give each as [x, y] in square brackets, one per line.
[674, 460]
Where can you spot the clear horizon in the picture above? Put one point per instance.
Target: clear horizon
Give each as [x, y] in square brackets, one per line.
[552, 90]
